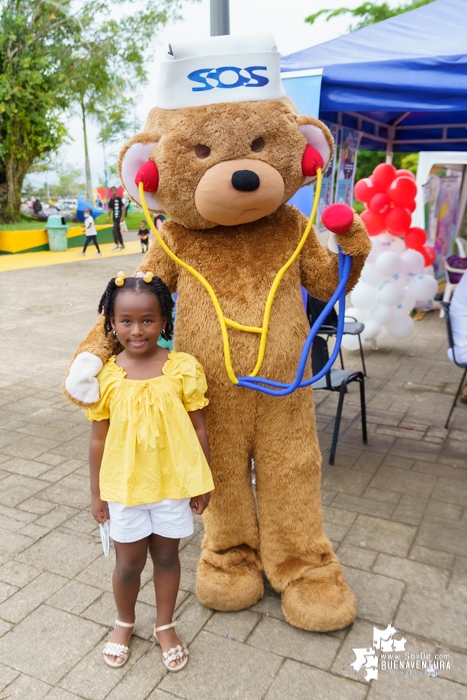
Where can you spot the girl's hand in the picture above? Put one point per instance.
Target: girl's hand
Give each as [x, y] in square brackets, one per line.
[198, 504]
[100, 509]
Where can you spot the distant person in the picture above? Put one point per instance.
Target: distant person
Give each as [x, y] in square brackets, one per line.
[143, 234]
[158, 221]
[90, 233]
[36, 207]
[117, 208]
[458, 316]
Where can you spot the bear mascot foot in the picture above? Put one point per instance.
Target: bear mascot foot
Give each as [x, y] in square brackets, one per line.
[231, 580]
[320, 601]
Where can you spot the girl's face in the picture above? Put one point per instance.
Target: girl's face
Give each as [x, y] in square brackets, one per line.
[138, 321]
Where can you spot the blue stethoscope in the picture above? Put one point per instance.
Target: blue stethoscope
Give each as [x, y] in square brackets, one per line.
[268, 386]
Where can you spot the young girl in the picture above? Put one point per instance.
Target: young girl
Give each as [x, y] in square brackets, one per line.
[148, 456]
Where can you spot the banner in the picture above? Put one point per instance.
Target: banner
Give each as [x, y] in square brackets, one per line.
[327, 189]
[446, 211]
[350, 141]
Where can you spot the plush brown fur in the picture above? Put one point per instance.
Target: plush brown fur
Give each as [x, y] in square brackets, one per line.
[281, 532]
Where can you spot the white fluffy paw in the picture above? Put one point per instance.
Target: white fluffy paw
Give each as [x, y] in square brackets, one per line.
[81, 382]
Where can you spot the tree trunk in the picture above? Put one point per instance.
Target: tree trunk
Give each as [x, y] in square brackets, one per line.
[10, 199]
[87, 165]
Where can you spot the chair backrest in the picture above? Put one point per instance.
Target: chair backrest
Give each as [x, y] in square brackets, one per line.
[319, 357]
[313, 309]
[461, 247]
[446, 306]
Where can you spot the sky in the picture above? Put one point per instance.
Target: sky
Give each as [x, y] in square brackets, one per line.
[283, 18]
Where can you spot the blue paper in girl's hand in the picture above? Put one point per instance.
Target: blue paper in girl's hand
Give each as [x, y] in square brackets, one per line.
[105, 537]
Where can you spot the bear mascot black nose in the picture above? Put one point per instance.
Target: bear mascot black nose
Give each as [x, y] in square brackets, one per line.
[245, 180]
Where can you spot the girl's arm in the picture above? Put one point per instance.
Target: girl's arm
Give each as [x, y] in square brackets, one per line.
[200, 503]
[99, 430]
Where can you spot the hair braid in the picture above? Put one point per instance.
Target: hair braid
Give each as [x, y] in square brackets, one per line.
[138, 285]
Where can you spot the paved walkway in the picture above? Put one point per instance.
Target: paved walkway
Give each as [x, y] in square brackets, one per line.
[395, 510]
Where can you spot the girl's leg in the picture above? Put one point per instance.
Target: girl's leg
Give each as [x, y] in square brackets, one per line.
[86, 243]
[164, 554]
[94, 240]
[126, 580]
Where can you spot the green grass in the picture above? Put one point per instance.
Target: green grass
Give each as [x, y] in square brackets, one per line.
[132, 219]
[24, 224]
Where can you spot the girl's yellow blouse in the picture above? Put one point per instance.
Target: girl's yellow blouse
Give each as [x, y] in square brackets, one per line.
[152, 451]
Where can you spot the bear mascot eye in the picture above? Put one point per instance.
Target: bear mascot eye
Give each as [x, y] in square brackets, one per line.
[202, 151]
[257, 145]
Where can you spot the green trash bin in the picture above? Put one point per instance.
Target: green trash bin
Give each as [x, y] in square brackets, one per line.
[57, 230]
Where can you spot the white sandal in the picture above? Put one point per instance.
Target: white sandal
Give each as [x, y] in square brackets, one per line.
[173, 653]
[118, 650]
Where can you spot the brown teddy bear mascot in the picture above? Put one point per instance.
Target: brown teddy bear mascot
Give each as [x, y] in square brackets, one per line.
[224, 150]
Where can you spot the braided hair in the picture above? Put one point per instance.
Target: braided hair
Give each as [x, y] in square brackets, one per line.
[138, 285]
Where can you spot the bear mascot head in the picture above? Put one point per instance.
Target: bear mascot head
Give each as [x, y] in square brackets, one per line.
[221, 154]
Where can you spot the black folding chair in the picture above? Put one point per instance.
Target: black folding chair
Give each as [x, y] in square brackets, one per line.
[463, 365]
[336, 380]
[329, 326]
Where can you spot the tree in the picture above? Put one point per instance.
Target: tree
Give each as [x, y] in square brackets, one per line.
[54, 54]
[369, 12]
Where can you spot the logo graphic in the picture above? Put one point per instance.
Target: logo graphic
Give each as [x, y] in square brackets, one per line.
[228, 77]
[390, 657]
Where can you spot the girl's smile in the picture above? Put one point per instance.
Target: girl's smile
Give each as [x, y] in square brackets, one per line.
[138, 321]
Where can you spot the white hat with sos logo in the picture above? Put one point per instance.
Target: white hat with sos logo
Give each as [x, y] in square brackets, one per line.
[220, 69]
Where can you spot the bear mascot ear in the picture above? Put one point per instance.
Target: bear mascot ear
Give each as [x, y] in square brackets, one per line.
[135, 160]
[319, 149]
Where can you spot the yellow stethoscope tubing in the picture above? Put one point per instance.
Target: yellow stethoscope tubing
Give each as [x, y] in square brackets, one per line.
[223, 321]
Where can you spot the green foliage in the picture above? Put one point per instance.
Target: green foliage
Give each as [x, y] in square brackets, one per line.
[369, 12]
[56, 54]
[368, 160]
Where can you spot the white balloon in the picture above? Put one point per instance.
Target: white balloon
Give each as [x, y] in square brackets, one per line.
[401, 327]
[361, 315]
[363, 296]
[379, 244]
[371, 276]
[370, 332]
[413, 262]
[385, 239]
[391, 293]
[388, 263]
[382, 314]
[383, 333]
[350, 342]
[407, 303]
[397, 245]
[423, 287]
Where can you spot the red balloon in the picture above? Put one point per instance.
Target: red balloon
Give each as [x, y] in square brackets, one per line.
[397, 220]
[415, 238]
[405, 173]
[402, 191]
[374, 222]
[379, 203]
[429, 254]
[383, 175]
[364, 190]
[411, 206]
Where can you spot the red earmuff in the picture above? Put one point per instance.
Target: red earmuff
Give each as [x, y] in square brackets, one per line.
[148, 174]
[311, 161]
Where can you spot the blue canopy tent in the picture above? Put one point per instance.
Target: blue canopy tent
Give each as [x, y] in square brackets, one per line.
[402, 82]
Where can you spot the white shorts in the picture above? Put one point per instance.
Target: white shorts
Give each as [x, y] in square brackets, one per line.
[168, 518]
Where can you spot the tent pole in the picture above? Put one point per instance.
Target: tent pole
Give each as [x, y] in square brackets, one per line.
[390, 143]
